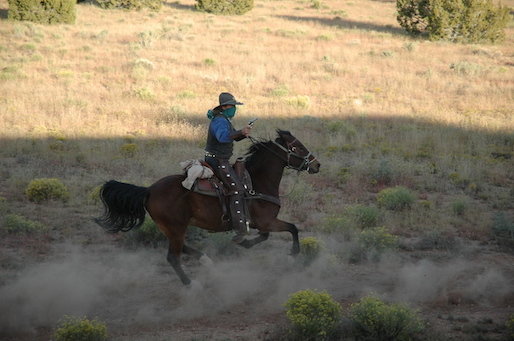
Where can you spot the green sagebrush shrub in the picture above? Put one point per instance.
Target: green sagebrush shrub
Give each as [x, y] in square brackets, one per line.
[397, 198]
[137, 5]
[224, 7]
[314, 315]
[43, 11]
[371, 243]
[465, 21]
[310, 249]
[18, 224]
[74, 329]
[40, 190]
[503, 229]
[129, 150]
[372, 319]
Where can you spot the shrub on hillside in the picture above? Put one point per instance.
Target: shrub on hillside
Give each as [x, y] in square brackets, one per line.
[224, 7]
[43, 11]
[314, 315]
[18, 224]
[153, 5]
[468, 21]
[74, 328]
[371, 244]
[40, 190]
[465, 21]
[398, 198]
[129, 150]
[503, 229]
[310, 248]
[372, 319]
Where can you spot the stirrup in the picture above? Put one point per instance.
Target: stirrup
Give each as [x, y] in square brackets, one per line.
[238, 238]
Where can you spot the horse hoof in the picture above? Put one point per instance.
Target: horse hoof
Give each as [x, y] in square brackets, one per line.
[206, 261]
[194, 285]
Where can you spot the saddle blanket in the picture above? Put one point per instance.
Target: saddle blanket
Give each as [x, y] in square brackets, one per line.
[194, 170]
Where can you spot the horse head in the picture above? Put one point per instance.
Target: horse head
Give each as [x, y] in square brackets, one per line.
[298, 157]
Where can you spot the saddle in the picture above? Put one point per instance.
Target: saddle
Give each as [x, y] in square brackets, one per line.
[214, 187]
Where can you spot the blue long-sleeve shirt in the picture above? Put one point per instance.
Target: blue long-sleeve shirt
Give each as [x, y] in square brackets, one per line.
[220, 127]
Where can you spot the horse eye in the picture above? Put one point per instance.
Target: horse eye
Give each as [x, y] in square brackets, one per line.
[293, 149]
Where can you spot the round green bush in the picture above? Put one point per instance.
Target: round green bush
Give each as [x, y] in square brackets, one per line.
[75, 329]
[371, 244]
[314, 315]
[310, 247]
[398, 198]
[224, 7]
[40, 190]
[18, 224]
[372, 319]
[129, 150]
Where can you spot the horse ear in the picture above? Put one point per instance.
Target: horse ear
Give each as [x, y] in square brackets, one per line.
[282, 133]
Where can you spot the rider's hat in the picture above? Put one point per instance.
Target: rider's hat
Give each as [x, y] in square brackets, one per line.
[228, 99]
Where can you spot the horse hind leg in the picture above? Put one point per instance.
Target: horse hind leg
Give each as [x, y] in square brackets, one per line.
[174, 259]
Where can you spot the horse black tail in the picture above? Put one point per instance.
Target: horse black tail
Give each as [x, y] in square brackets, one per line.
[124, 206]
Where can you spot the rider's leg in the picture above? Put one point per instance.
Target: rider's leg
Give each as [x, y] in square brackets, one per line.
[235, 195]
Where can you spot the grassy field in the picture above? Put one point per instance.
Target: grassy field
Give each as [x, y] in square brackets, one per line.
[124, 95]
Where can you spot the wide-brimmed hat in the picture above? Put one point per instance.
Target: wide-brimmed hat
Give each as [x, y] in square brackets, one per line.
[228, 99]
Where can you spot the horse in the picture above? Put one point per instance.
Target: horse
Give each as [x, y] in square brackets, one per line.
[173, 207]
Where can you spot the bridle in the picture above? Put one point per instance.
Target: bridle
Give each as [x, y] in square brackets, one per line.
[291, 151]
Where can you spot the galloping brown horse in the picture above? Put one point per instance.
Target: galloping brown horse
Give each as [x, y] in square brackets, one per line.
[173, 208]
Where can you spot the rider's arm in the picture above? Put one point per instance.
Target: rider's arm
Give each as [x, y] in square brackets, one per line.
[221, 129]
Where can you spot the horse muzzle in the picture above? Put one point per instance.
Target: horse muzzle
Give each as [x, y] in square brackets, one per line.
[314, 167]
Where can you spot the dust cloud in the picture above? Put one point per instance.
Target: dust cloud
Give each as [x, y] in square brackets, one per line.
[126, 289]
[457, 281]
[71, 285]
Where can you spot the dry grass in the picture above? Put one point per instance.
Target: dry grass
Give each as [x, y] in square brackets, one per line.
[82, 79]
[377, 107]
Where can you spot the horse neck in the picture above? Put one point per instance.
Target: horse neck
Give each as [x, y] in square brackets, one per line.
[266, 176]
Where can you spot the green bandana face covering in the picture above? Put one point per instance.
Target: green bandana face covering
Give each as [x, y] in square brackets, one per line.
[230, 112]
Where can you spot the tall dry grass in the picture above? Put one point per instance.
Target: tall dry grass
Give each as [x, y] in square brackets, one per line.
[347, 58]
[369, 100]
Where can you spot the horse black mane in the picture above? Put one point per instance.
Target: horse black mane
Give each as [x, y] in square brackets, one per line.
[255, 155]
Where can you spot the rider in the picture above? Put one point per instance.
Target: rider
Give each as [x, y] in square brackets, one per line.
[219, 149]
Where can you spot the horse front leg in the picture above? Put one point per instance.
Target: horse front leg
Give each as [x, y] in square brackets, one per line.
[276, 225]
[296, 243]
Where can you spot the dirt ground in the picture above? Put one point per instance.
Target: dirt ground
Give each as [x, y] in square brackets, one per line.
[462, 295]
